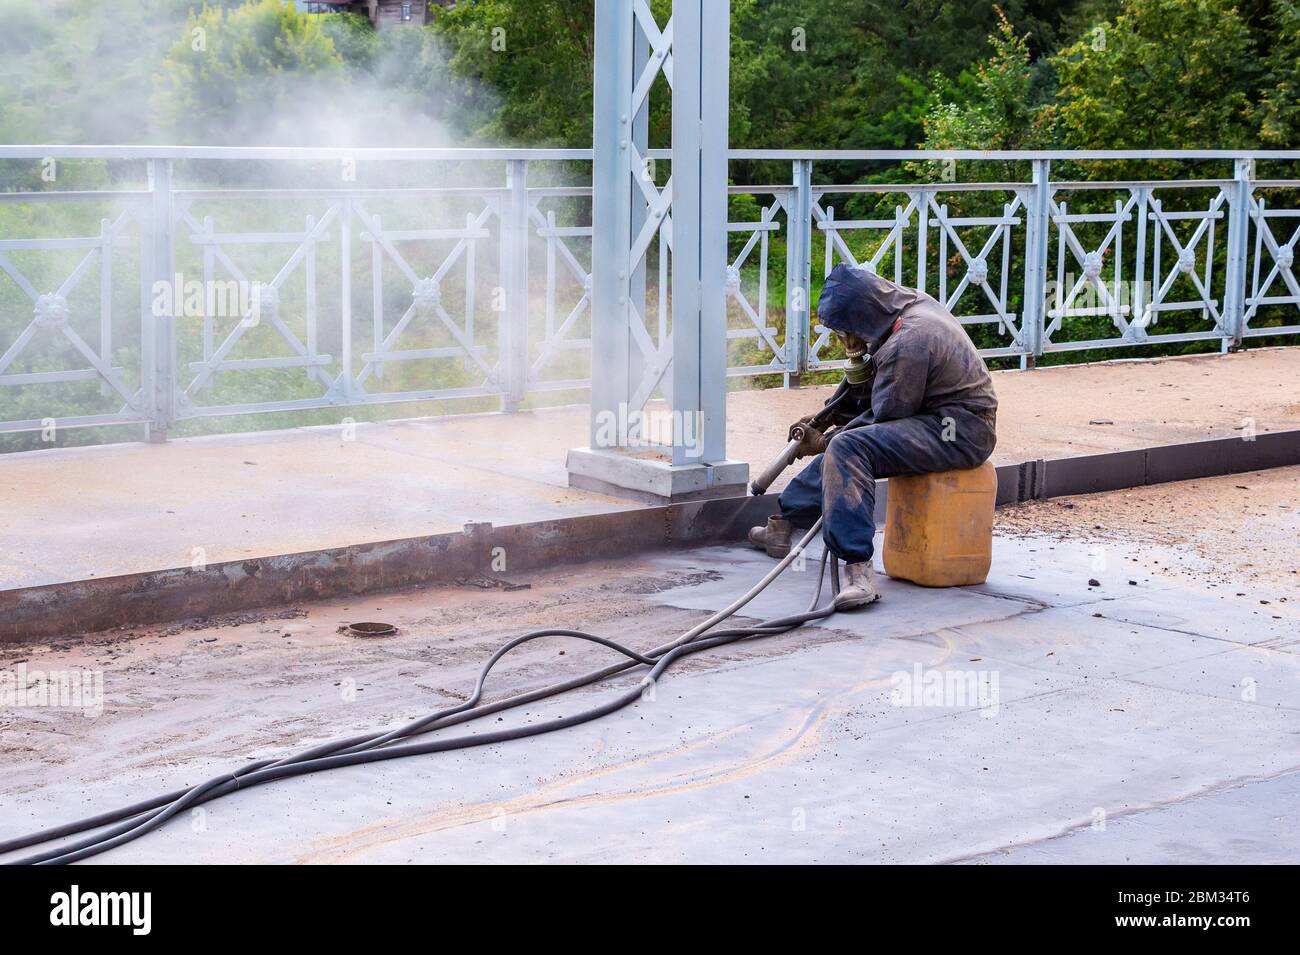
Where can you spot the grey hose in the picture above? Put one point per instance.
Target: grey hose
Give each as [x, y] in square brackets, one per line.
[137, 819]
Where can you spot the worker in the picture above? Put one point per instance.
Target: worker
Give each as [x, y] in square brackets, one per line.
[930, 407]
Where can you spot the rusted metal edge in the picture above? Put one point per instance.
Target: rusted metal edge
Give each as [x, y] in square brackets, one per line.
[1115, 470]
[87, 606]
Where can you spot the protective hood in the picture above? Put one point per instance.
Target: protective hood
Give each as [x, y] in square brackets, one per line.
[861, 303]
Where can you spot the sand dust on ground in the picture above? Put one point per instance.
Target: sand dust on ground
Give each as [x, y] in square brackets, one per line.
[1063, 411]
[77, 513]
[1240, 532]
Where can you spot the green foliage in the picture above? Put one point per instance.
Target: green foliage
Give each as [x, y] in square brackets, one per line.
[80, 71]
[232, 66]
[804, 73]
[851, 73]
[1164, 74]
[1139, 74]
[538, 55]
[1279, 105]
[355, 39]
[992, 106]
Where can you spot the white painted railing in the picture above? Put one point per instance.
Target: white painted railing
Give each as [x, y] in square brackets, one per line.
[178, 302]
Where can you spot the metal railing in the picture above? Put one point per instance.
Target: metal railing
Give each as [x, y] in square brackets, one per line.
[218, 299]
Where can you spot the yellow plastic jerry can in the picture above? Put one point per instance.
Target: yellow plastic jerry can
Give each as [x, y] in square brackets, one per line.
[939, 527]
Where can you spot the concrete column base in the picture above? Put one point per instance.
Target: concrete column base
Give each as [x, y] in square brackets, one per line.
[650, 477]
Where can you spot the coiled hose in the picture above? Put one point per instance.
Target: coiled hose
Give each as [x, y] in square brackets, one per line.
[131, 822]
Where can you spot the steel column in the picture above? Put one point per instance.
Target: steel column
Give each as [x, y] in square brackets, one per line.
[640, 272]
[687, 220]
[514, 280]
[159, 335]
[343, 385]
[1037, 224]
[700, 46]
[611, 214]
[1234, 292]
[798, 272]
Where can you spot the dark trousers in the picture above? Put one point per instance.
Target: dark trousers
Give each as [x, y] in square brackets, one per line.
[841, 484]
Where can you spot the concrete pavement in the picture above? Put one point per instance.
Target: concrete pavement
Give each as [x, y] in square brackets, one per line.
[77, 513]
[1147, 718]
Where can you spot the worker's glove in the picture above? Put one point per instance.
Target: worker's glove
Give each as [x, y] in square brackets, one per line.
[811, 441]
[802, 423]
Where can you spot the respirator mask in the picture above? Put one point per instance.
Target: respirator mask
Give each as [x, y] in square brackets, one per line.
[860, 369]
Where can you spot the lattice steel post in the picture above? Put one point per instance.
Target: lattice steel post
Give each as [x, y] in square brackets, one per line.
[611, 214]
[1234, 290]
[159, 338]
[798, 273]
[1037, 223]
[640, 212]
[514, 279]
[629, 213]
[343, 385]
[700, 110]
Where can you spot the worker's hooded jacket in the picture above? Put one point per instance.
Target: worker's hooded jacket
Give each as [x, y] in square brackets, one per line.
[925, 363]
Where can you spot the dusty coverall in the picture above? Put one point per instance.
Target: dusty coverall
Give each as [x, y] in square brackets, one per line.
[932, 407]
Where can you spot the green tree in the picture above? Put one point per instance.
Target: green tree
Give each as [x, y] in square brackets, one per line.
[804, 73]
[1279, 105]
[81, 71]
[537, 54]
[1164, 74]
[354, 38]
[994, 105]
[856, 76]
[233, 70]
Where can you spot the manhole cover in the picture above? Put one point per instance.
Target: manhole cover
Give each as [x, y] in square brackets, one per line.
[369, 629]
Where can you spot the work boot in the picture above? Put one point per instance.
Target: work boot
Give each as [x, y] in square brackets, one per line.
[774, 538]
[859, 588]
